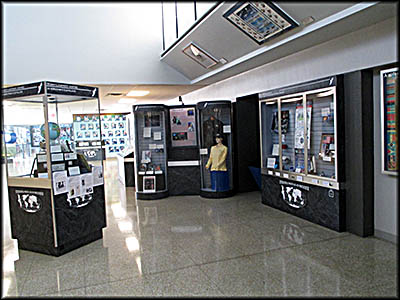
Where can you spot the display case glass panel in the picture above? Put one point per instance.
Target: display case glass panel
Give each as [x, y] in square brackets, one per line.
[215, 146]
[290, 133]
[23, 122]
[150, 148]
[322, 151]
[270, 128]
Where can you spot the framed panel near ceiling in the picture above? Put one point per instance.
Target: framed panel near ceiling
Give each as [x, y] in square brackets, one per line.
[260, 20]
[389, 107]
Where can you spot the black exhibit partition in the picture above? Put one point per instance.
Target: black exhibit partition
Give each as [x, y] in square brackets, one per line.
[183, 151]
[150, 123]
[216, 148]
[302, 151]
[56, 197]
[246, 143]
[359, 143]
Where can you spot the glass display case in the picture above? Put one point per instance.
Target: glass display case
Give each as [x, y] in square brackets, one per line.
[215, 119]
[150, 151]
[54, 192]
[298, 143]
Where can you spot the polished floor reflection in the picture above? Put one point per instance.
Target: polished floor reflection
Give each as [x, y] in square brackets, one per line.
[192, 246]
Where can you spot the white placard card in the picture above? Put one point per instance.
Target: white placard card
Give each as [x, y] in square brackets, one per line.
[227, 129]
[58, 167]
[70, 156]
[204, 151]
[275, 149]
[55, 148]
[157, 136]
[74, 171]
[42, 158]
[147, 132]
[57, 157]
[271, 162]
[60, 182]
[43, 175]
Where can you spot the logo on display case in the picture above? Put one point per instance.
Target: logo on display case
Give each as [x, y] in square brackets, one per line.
[29, 201]
[293, 194]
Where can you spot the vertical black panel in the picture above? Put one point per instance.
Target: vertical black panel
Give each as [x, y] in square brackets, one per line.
[246, 142]
[359, 169]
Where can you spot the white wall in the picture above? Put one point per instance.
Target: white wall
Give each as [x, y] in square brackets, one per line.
[369, 47]
[372, 46]
[385, 205]
[100, 43]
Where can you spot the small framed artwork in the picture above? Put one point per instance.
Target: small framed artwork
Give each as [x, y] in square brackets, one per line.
[327, 147]
[389, 109]
[149, 184]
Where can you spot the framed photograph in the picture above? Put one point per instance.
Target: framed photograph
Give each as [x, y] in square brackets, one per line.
[149, 184]
[389, 107]
[327, 147]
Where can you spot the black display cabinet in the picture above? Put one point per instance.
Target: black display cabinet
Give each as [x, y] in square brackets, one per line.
[56, 196]
[302, 153]
[150, 151]
[183, 151]
[216, 163]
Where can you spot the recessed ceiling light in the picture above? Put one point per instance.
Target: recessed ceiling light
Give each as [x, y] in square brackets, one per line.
[137, 93]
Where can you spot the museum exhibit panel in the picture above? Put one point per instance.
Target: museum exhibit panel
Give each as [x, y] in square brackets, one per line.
[183, 151]
[215, 120]
[299, 152]
[150, 134]
[56, 195]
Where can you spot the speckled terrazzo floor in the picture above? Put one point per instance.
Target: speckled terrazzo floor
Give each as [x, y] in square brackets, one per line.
[192, 246]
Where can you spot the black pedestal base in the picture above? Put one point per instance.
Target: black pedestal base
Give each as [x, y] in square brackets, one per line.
[152, 196]
[61, 249]
[209, 194]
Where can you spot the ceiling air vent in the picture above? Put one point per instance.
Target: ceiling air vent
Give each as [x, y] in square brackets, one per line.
[260, 20]
[199, 55]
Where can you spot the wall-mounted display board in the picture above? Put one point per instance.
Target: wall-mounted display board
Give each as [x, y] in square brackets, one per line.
[389, 107]
[215, 123]
[56, 196]
[183, 126]
[150, 123]
[114, 131]
[299, 151]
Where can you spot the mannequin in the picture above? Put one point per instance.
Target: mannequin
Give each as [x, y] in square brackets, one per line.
[217, 162]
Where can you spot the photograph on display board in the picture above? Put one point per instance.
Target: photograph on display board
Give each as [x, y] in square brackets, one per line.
[152, 120]
[389, 107]
[149, 184]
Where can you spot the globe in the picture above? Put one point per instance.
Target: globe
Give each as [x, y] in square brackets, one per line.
[54, 130]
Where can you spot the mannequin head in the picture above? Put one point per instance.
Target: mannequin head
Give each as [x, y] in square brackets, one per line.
[218, 139]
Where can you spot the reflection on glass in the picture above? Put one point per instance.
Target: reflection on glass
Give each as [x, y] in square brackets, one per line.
[293, 140]
[321, 155]
[270, 141]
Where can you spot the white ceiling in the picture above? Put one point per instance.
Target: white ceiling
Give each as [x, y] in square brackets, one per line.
[221, 39]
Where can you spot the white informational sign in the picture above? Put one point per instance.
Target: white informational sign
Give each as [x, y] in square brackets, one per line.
[227, 129]
[147, 132]
[275, 149]
[285, 175]
[271, 162]
[74, 171]
[60, 182]
[97, 172]
[70, 156]
[87, 183]
[157, 136]
[58, 167]
[204, 151]
[57, 157]
[74, 186]
[270, 173]
[43, 175]
[152, 146]
[55, 148]
[160, 146]
[277, 173]
[299, 178]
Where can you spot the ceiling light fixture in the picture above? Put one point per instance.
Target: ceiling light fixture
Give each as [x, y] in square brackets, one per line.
[200, 55]
[137, 93]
